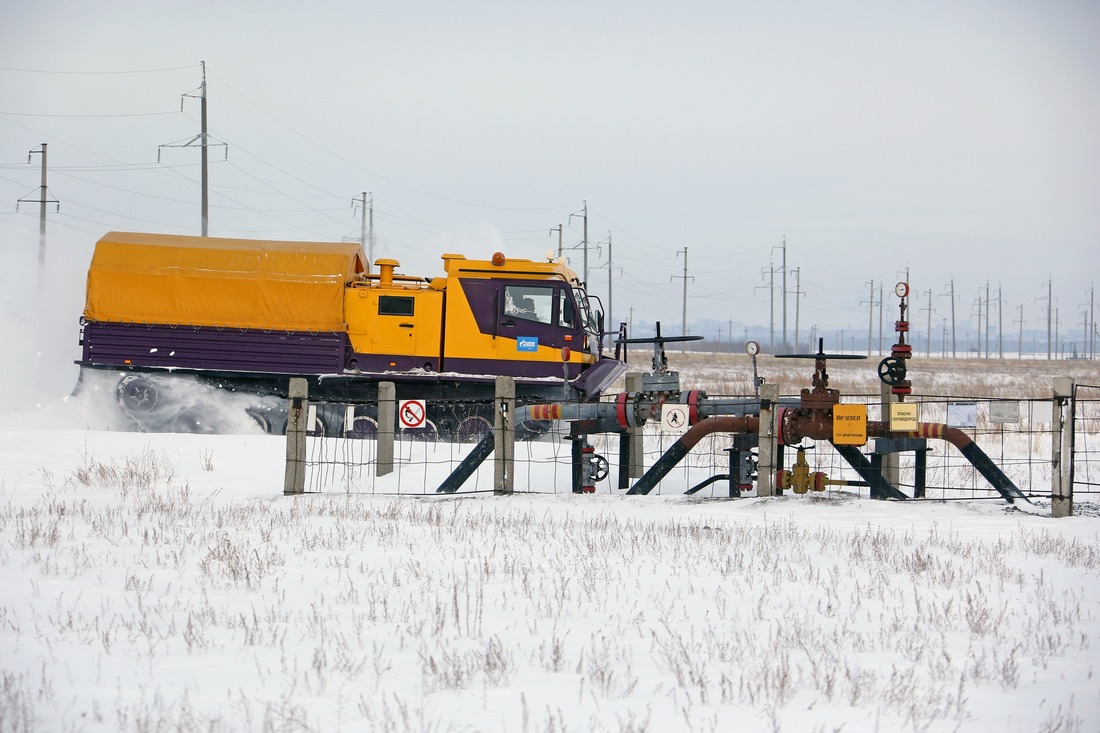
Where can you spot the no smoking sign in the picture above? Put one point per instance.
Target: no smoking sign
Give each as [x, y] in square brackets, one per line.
[411, 413]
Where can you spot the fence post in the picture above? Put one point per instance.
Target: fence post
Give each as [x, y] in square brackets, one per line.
[769, 399]
[1062, 419]
[387, 414]
[637, 435]
[297, 415]
[891, 468]
[504, 436]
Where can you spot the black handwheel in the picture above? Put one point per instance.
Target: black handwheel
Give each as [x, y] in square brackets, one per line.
[600, 467]
[891, 370]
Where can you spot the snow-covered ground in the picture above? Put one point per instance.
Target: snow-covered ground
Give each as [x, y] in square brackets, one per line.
[163, 582]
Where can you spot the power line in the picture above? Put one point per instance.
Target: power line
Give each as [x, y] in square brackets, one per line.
[130, 114]
[85, 73]
[352, 163]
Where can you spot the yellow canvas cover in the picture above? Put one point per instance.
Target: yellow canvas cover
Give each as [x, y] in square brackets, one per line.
[231, 283]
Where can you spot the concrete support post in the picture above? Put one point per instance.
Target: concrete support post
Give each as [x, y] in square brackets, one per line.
[891, 462]
[637, 435]
[387, 420]
[504, 436]
[1062, 424]
[297, 418]
[769, 432]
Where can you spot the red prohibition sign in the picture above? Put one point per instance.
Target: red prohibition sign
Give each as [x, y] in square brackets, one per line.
[412, 413]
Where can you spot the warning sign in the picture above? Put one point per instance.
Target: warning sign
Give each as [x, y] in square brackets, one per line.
[674, 418]
[903, 417]
[849, 424]
[411, 413]
[962, 414]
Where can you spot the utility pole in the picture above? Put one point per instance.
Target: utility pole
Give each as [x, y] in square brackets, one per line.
[585, 244]
[42, 201]
[686, 277]
[979, 323]
[1092, 320]
[771, 295]
[610, 320]
[1000, 324]
[584, 218]
[771, 288]
[1050, 315]
[784, 270]
[205, 173]
[797, 301]
[366, 224]
[952, 294]
[204, 144]
[880, 345]
[1089, 324]
[1020, 345]
[930, 311]
[870, 317]
[558, 228]
[1057, 335]
[986, 319]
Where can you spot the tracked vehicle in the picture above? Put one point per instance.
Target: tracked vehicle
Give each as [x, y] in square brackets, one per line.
[244, 316]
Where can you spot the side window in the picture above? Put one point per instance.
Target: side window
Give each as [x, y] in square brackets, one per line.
[529, 302]
[567, 316]
[395, 305]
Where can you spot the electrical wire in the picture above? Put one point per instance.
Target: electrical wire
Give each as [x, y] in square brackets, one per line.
[352, 163]
[130, 114]
[83, 72]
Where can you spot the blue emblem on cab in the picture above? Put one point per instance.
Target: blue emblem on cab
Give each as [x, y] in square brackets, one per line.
[527, 343]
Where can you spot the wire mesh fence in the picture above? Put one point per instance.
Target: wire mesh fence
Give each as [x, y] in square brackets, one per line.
[1086, 440]
[1016, 434]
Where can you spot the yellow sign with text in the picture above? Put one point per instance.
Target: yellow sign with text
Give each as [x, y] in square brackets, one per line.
[849, 424]
[903, 417]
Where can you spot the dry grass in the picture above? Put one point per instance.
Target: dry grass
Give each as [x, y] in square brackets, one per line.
[391, 612]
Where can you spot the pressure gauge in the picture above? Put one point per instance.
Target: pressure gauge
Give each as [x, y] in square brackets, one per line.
[752, 348]
[902, 289]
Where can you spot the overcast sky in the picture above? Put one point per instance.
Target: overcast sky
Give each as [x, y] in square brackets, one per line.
[956, 140]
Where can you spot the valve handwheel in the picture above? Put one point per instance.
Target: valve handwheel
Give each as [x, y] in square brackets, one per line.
[891, 370]
[600, 467]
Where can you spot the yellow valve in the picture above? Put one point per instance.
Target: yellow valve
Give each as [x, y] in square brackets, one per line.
[800, 479]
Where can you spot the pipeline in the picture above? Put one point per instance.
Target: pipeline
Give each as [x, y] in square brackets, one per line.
[797, 424]
[687, 441]
[631, 409]
[970, 450]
